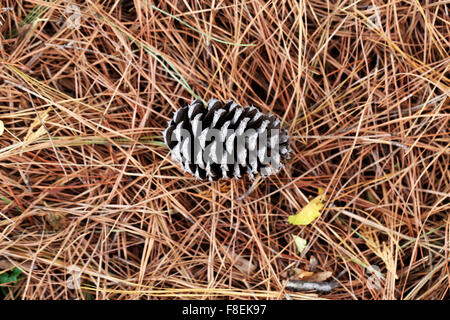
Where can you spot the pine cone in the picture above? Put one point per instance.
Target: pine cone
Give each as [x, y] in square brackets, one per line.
[226, 140]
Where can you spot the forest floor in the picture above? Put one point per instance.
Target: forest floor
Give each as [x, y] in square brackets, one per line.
[93, 207]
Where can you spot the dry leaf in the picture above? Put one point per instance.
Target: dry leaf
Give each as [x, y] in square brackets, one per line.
[241, 263]
[300, 274]
[297, 273]
[319, 276]
[56, 220]
[310, 212]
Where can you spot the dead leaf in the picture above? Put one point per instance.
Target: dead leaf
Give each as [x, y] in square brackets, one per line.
[300, 274]
[56, 220]
[319, 276]
[241, 263]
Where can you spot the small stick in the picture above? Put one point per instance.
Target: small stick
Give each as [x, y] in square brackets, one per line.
[297, 285]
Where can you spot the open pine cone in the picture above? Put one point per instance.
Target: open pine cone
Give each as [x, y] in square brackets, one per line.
[226, 140]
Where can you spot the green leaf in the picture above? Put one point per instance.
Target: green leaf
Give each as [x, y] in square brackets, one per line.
[11, 276]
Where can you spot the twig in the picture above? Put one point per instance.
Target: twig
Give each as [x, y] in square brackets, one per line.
[297, 285]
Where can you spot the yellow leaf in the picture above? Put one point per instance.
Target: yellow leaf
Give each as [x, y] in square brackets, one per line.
[300, 243]
[2, 127]
[310, 212]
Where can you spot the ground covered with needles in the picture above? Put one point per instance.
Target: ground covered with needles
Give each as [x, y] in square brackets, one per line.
[92, 206]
